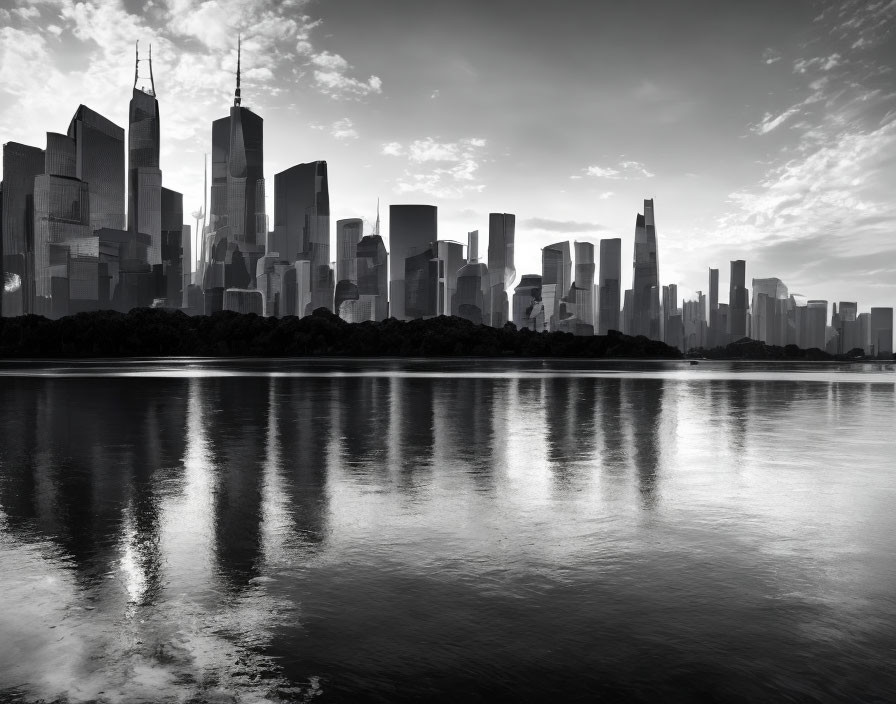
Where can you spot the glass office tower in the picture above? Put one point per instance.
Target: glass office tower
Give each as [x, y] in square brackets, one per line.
[645, 281]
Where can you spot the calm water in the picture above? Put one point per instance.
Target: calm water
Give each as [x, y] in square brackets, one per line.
[396, 531]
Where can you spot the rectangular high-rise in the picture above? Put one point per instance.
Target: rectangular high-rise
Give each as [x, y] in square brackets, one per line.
[609, 285]
[645, 278]
[99, 145]
[302, 225]
[21, 164]
[881, 332]
[583, 285]
[738, 301]
[501, 268]
[412, 230]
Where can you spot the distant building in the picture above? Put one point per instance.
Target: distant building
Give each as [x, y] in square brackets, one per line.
[583, 286]
[528, 311]
[144, 176]
[645, 281]
[737, 301]
[473, 285]
[881, 329]
[235, 238]
[501, 269]
[241, 300]
[716, 334]
[609, 285]
[302, 225]
[21, 164]
[766, 311]
[99, 149]
[373, 275]
[556, 272]
[412, 230]
[450, 257]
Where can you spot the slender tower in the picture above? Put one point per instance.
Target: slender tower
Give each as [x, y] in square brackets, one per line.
[144, 175]
[237, 198]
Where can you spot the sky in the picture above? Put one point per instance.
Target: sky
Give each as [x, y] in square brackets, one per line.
[764, 131]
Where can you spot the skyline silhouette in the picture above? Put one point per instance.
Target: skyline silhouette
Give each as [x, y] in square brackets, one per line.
[749, 162]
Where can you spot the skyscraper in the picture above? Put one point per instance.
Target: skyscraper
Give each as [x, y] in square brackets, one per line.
[144, 176]
[302, 226]
[713, 324]
[61, 221]
[99, 159]
[450, 256]
[609, 285]
[583, 285]
[528, 311]
[373, 276]
[169, 272]
[348, 234]
[234, 243]
[738, 300]
[473, 284]
[645, 281]
[21, 164]
[881, 332]
[556, 275]
[766, 292]
[501, 270]
[412, 229]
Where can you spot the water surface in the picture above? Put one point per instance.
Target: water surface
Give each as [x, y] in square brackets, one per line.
[338, 530]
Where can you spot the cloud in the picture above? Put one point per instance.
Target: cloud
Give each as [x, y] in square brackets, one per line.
[820, 62]
[331, 79]
[452, 166]
[770, 56]
[569, 226]
[768, 122]
[343, 129]
[606, 195]
[624, 171]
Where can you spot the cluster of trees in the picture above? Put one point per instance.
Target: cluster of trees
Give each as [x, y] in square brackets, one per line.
[145, 332]
[746, 348]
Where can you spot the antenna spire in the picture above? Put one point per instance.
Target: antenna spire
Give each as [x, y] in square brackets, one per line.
[152, 83]
[236, 95]
[136, 60]
[376, 230]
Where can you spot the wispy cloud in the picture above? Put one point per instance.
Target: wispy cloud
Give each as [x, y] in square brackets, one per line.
[439, 168]
[331, 77]
[770, 122]
[623, 171]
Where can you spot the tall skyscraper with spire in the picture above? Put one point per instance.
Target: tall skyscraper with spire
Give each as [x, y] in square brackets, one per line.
[144, 175]
[235, 242]
[646, 280]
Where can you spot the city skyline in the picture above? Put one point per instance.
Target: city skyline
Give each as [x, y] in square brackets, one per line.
[823, 242]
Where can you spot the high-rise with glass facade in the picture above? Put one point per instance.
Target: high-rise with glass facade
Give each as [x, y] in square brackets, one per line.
[738, 301]
[99, 153]
[21, 164]
[645, 281]
[237, 231]
[144, 175]
[609, 288]
[412, 229]
[501, 270]
[583, 286]
[302, 225]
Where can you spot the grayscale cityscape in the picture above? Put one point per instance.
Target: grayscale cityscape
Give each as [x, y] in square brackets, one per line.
[70, 245]
[449, 351]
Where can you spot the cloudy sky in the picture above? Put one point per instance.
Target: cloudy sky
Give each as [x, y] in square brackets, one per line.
[765, 130]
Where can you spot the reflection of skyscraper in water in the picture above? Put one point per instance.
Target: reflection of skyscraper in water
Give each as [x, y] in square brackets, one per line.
[645, 406]
[645, 281]
[569, 403]
[411, 430]
[236, 439]
[464, 422]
